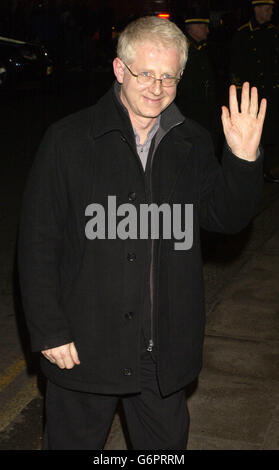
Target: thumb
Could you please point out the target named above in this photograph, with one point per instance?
(225, 114)
(226, 120)
(74, 353)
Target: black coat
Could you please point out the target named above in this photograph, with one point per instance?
(94, 292)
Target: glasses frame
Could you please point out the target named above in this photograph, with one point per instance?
(154, 78)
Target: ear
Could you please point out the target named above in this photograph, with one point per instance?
(118, 69)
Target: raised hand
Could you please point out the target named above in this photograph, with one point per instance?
(243, 129)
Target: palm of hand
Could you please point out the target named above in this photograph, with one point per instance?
(243, 128)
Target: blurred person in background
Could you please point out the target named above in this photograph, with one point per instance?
(255, 58)
(196, 94)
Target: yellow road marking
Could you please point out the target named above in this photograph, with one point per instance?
(18, 403)
(11, 372)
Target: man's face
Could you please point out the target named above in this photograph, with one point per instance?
(147, 100)
(199, 31)
(263, 13)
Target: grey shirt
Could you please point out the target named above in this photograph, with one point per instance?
(143, 149)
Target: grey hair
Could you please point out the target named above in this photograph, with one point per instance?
(154, 29)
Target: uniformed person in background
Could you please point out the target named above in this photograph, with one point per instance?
(196, 93)
(255, 58)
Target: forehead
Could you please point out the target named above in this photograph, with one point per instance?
(266, 7)
(156, 54)
(200, 25)
(198, 28)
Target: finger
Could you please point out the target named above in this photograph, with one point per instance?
(225, 117)
(63, 357)
(52, 356)
(225, 113)
(262, 111)
(233, 103)
(245, 98)
(254, 106)
(74, 353)
(48, 356)
(68, 361)
(60, 363)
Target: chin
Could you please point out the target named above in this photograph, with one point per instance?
(153, 113)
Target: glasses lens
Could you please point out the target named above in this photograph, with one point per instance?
(169, 81)
(149, 80)
(145, 79)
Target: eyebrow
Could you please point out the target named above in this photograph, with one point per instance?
(173, 74)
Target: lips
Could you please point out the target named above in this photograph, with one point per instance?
(152, 100)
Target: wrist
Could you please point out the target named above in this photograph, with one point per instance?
(244, 155)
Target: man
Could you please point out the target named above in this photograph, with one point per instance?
(123, 317)
(254, 58)
(196, 96)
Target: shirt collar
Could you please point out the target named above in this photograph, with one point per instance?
(150, 134)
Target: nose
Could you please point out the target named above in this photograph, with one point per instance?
(156, 86)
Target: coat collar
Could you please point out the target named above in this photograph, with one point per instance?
(196, 44)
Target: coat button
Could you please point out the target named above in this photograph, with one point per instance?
(132, 196)
(123, 138)
(131, 256)
(127, 372)
(129, 315)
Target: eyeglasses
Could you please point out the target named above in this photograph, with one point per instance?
(146, 78)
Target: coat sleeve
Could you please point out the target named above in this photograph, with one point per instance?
(40, 239)
(229, 194)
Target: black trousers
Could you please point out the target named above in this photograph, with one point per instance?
(78, 420)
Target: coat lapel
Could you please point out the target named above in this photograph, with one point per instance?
(172, 161)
